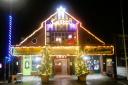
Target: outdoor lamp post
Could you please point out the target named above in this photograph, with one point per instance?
(124, 43)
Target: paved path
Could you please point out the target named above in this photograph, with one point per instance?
(98, 79)
(95, 79)
(66, 80)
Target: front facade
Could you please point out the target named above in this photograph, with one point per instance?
(61, 45)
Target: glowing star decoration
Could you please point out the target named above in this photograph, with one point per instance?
(61, 12)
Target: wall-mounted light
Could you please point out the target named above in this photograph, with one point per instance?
(37, 59)
(69, 36)
(0, 65)
(85, 57)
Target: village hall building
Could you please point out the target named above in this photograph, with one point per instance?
(59, 43)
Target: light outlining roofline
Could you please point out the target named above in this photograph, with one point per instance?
(50, 16)
(31, 34)
(36, 30)
(29, 55)
(62, 55)
(99, 54)
(45, 29)
(92, 34)
(86, 29)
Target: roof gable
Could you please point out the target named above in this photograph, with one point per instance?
(60, 17)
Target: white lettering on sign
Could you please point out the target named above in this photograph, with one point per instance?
(61, 21)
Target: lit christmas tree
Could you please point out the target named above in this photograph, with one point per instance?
(45, 71)
(81, 68)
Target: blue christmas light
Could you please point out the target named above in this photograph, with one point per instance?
(8, 58)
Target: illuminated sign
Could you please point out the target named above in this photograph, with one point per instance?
(61, 21)
(99, 50)
(68, 24)
(27, 51)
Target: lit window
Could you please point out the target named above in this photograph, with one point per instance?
(58, 39)
(69, 36)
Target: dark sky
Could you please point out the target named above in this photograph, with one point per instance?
(101, 16)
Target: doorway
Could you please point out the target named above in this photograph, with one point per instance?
(27, 65)
(61, 66)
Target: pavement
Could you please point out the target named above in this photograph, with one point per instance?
(123, 82)
(91, 79)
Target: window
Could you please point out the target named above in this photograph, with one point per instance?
(48, 40)
(48, 34)
(88, 40)
(36, 62)
(34, 41)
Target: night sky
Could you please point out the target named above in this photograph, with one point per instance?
(102, 17)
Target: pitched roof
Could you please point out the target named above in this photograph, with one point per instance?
(42, 26)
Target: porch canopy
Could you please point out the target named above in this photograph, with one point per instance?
(63, 50)
(20, 51)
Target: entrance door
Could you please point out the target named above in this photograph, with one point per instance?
(109, 67)
(26, 65)
(61, 66)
